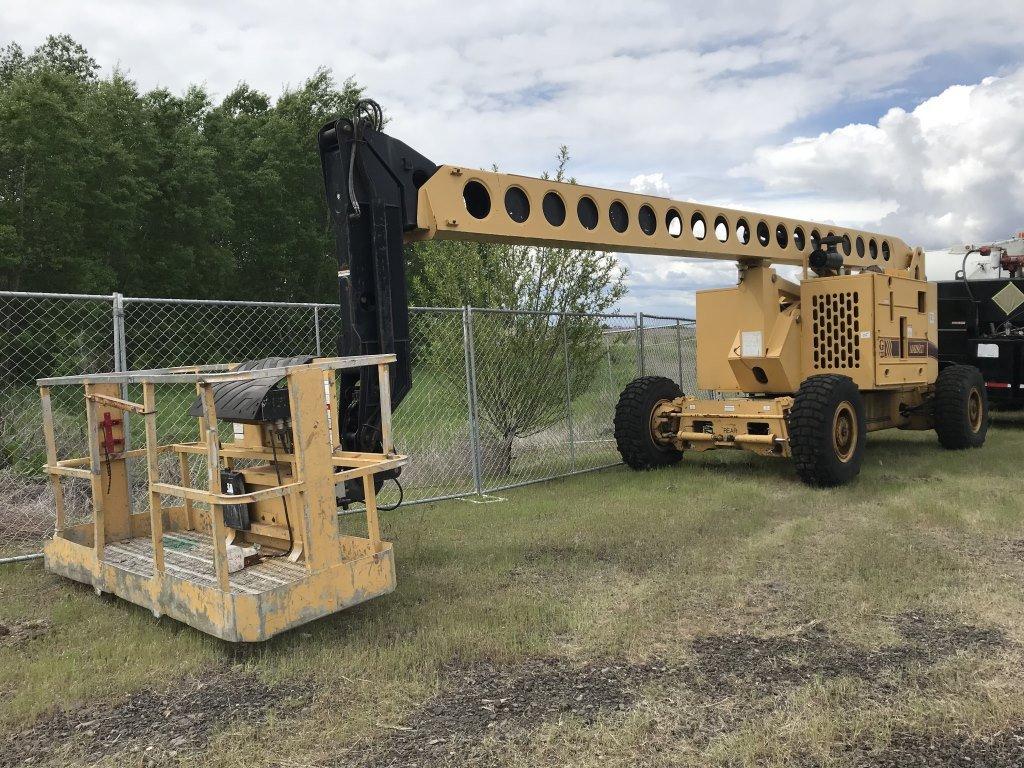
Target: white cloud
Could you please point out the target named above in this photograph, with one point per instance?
(627, 87)
(690, 89)
(650, 184)
(949, 171)
(667, 285)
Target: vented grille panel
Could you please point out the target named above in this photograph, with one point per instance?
(835, 319)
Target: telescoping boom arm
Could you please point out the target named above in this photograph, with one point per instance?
(382, 194)
(457, 203)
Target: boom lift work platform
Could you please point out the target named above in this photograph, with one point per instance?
(258, 549)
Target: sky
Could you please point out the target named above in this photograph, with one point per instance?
(901, 117)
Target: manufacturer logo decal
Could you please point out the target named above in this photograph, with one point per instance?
(888, 347)
(917, 348)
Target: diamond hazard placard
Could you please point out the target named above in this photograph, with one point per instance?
(1009, 298)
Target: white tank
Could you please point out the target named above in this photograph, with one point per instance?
(946, 265)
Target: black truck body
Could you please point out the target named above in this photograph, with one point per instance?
(975, 330)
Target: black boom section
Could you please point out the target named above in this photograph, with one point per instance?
(372, 181)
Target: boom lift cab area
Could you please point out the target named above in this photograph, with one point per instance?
(802, 370)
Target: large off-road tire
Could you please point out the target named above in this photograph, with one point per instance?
(634, 435)
(827, 430)
(961, 407)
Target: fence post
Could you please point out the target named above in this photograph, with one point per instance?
(118, 318)
(679, 348)
(316, 328)
(639, 343)
(568, 398)
(468, 350)
(120, 359)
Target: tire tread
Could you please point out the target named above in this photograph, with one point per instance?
(632, 416)
(952, 388)
(809, 426)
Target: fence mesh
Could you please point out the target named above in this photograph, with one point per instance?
(39, 334)
(670, 349)
(499, 398)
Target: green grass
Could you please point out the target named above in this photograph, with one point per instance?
(609, 565)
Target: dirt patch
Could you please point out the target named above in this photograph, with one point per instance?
(153, 728)
(942, 636)
(485, 709)
(1014, 549)
(507, 703)
(923, 750)
(17, 632)
(813, 651)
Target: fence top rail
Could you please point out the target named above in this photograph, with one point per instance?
(319, 305)
(669, 317)
(210, 374)
(37, 295)
(226, 302)
(547, 313)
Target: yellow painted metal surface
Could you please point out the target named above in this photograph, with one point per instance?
(173, 560)
(766, 334)
(465, 204)
(757, 425)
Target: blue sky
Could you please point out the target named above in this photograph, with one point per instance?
(837, 111)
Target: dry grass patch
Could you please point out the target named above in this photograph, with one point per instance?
(743, 619)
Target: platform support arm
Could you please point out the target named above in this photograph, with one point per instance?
(51, 459)
(217, 528)
(156, 516)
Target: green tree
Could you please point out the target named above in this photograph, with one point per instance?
(105, 188)
(267, 159)
(182, 247)
(46, 158)
(521, 356)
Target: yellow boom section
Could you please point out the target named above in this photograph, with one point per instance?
(464, 204)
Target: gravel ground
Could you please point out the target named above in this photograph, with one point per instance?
(484, 709)
(152, 727)
(17, 632)
(920, 750)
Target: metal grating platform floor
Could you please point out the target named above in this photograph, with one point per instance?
(188, 555)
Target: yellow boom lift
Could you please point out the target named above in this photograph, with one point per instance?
(802, 369)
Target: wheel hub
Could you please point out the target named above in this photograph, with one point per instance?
(844, 431)
(974, 410)
(659, 422)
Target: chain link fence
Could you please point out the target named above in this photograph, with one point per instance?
(500, 398)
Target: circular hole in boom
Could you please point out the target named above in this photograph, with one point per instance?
(698, 226)
(477, 199)
(781, 235)
(674, 222)
(554, 209)
(618, 216)
(586, 212)
(763, 236)
(721, 229)
(517, 204)
(647, 220)
(798, 238)
(743, 231)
